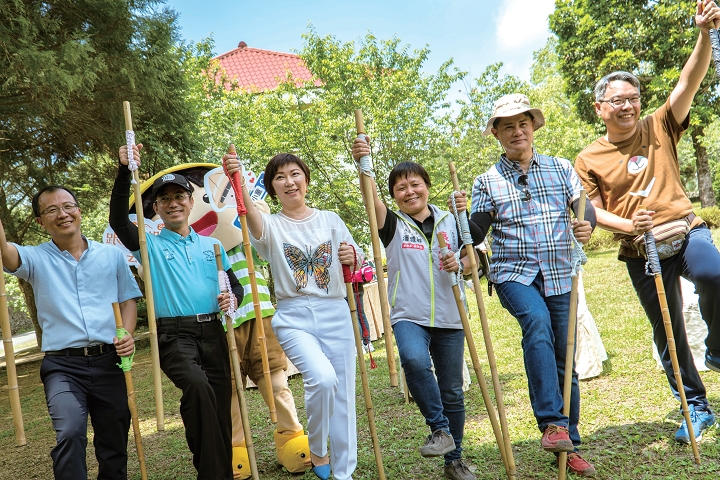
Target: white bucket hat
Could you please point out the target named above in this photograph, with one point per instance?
(514, 104)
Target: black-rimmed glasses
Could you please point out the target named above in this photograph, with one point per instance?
(523, 182)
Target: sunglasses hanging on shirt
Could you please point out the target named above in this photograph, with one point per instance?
(523, 182)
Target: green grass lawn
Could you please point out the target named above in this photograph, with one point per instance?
(628, 417)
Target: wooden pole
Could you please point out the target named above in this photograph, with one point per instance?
(247, 248)
(131, 402)
(499, 438)
(382, 286)
(504, 440)
(364, 375)
(13, 391)
(570, 350)
(235, 362)
(654, 260)
(147, 280)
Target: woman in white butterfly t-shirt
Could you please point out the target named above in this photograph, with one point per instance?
(306, 249)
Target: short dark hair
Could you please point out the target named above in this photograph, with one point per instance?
(602, 84)
(404, 170)
(278, 161)
(497, 120)
(49, 189)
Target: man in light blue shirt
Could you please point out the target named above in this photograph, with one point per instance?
(75, 282)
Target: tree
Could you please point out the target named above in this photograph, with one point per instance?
(476, 153)
(406, 113)
(651, 39)
(564, 134)
(65, 70)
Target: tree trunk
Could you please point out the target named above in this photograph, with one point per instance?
(704, 176)
(32, 309)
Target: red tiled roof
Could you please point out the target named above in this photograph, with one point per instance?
(261, 70)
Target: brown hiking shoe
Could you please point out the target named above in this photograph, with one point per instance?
(556, 439)
(579, 466)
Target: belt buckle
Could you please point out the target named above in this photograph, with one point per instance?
(85, 351)
(203, 317)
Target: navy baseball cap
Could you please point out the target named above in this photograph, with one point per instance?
(169, 178)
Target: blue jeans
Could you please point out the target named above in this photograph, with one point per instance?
(699, 262)
(441, 400)
(544, 324)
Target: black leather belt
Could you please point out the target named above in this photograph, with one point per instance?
(201, 317)
(90, 351)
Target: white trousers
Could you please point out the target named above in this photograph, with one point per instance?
(317, 336)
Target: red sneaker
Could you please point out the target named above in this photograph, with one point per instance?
(556, 439)
(579, 466)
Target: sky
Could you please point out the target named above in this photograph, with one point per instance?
(474, 33)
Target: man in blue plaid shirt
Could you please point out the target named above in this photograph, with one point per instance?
(525, 197)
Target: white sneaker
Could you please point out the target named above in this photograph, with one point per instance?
(367, 348)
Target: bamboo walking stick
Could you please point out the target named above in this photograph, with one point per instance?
(570, 350)
(504, 439)
(147, 277)
(237, 372)
(499, 438)
(235, 181)
(126, 364)
(363, 372)
(653, 269)
(382, 286)
(13, 390)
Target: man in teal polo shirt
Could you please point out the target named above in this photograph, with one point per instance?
(193, 349)
(76, 281)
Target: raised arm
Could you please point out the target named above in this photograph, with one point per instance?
(119, 221)
(361, 148)
(697, 65)
(254, 216)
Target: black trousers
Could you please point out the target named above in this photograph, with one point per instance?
(74, 388)
(699, 262)
(194, 355)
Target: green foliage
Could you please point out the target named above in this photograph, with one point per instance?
(564, 134)
(405, 111)
(653, 40)
(711, 215)
(601, 240)
(476, 152)
(14, 294)
(65, 71)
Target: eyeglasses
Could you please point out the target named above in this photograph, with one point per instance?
(523, 182)
(620, 102)
(53, 211)
(167, 199)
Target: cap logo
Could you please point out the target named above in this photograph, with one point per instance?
(168, 177)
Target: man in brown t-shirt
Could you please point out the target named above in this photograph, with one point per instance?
(636, 164)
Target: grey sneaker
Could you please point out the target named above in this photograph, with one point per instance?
(439, 443)
(458, 470)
